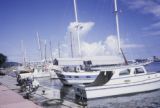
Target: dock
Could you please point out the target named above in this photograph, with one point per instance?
(11, 97)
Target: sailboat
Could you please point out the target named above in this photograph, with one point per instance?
(75, 70)
(119, 80)
(43, 70)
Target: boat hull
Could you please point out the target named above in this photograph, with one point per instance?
(71, 78)
(114, 90)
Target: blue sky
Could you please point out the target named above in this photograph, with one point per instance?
(21, 19)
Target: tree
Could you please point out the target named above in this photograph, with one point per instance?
(3, 59)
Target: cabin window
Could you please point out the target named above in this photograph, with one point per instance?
(88, 76)
(69, 77)
(57, 71)
(124, 72)
(61, 76)
(76, 77)
(138, 71)
(23, 72)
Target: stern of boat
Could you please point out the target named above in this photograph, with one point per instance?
(80, 93)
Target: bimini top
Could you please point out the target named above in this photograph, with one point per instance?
(98, 60)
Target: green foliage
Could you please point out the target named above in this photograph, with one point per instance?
(3, 59)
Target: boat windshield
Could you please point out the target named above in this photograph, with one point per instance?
(23, 72)
(102, 78)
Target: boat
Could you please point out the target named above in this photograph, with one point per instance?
(37, 72)
(156, 59)
(79, 75)
(80, 70)
(119, 81)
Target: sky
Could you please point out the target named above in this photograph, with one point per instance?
(54, 20)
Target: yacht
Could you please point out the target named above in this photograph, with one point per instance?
(81, 70)
(37, 72)
(119, 81)
(76, 76)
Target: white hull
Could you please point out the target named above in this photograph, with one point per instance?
(79, 81)
(124, 89)
(120, 84)
(71, 78)
(39, 74)
(53, 75)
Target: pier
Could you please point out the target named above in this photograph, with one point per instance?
(44, 97)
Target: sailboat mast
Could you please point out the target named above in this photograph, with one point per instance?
(39, 45)
(75, 11)
(23, 53)
(59, 52)
(50, 44)
(45, 50)
(117, 25)
(76, 18)
(71, 44)
(118, 34)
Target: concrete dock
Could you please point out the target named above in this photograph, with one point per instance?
(11, 97)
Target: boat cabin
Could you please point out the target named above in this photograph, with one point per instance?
(117, 74)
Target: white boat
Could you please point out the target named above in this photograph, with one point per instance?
(119, 81)
(78, 70)
(77, 77)
(38, 72)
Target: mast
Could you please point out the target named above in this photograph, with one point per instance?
(39, 45)
(45, 50)
(118, 34)
(59, 52)
(50, 44)
(71, 44)
(76, 18)
(117, 25)
(23, 53)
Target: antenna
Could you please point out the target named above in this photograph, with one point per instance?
(76, 18)
(39, 45)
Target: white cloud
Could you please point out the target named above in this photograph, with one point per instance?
(109, 46)
(152, 33)
(153, 26)
(93, 49)
(111, 43)
(145, 6)
(132, 46)
(101, 48)
(84, 27)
